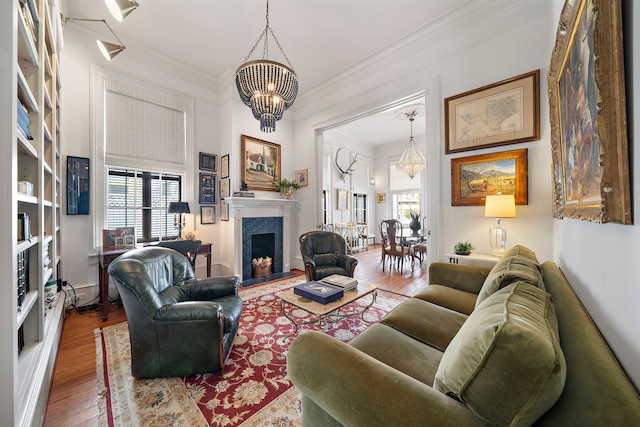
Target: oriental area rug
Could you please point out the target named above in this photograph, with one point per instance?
(253, 389)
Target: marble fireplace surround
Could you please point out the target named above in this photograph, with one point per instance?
(268, 212)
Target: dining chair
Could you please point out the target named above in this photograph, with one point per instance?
(188, 248)
(420, 248)
(393, 247)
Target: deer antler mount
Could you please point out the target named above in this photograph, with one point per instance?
(349, 169)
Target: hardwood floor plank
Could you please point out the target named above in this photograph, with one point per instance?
(73, 400)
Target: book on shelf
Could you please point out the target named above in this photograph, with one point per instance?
(344, 282)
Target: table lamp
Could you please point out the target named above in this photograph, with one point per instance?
(499, 206)
(177, 209)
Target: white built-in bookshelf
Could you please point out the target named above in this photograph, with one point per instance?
(31, 190)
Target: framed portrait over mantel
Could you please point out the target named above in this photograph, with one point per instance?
(475, 177)
(587, 110)
(260, 164)
(501, 113)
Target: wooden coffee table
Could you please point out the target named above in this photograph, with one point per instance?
(324, 313)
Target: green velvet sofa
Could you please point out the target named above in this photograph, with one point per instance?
(510, 346)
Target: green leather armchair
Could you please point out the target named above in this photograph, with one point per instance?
(178, 325)
(325, 253)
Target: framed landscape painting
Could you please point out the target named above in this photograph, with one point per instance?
(501, 113)
(474, 177)
(587, 111)
(260, 164)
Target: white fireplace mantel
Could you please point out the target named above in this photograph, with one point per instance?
(249, 207)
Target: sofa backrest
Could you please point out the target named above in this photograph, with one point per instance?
(597, 391)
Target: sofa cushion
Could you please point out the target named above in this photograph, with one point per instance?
(425, 322)
(506, 363)
(517, 264)
(451, 298)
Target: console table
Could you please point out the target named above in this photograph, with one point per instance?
(482, 260)
(108, 256)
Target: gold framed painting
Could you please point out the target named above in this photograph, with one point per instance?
(260, 164)
(381, 197)
(302, 177)
(475, 177)
(501, 113)
(587, 112)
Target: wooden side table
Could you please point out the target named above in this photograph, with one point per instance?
(481, 260)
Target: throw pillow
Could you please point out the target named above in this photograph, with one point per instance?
(517, 264)
(505, 363)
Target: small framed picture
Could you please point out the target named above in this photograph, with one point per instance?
(224, 166)
(119, 241)
(207, 214)
(224, 210)
(381, 198)
(208, 184)
(225, 188)
(342, 200)
(129, 240)
(302, 177)
(208, 162)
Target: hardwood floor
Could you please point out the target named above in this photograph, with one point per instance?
(73, 397)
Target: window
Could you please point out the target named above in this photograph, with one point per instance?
(359, 208)
(405, 194)
(140, 199)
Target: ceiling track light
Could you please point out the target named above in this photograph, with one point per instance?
(120, 9)
(267, 87)
(108, 50)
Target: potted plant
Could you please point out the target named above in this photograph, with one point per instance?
(463, 248)
(286, 187)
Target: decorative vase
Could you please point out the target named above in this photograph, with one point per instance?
(415, 226)
(288, 193)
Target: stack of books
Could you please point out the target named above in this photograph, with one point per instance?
(244, 194)
(343, 282)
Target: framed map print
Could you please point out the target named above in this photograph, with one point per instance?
(498, 114)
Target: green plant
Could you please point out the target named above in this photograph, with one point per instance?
(415, 215)
(463, 247)
(285, 184)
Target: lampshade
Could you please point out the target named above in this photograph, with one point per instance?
(500, 206)
(179, 207)
(412, 161)
(109, 50)
(120, 9)
(267, 87)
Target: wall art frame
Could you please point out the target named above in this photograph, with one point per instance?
(342, 199)
(474, 177)
(224, 166)
(224, 210)
(587, 111)
(207, 214)
(302, 177)
(207, 188)
(225, 187)
(208, 162)
(381, 198)
(506, 112)
(259, 164)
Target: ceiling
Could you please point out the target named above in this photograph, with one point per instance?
(321, 38)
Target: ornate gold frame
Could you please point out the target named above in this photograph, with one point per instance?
(589, 144)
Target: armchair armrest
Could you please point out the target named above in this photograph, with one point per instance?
(347, 384)
(213, 287)
(462, 277)
(189, 310)
(347, 262)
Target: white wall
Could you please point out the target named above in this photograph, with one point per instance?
(79, 260)
(600, 260)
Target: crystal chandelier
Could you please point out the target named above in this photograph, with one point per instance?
(412, 160)
(267, 87)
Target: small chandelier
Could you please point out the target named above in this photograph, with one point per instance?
(267, 87)
(412, 160)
